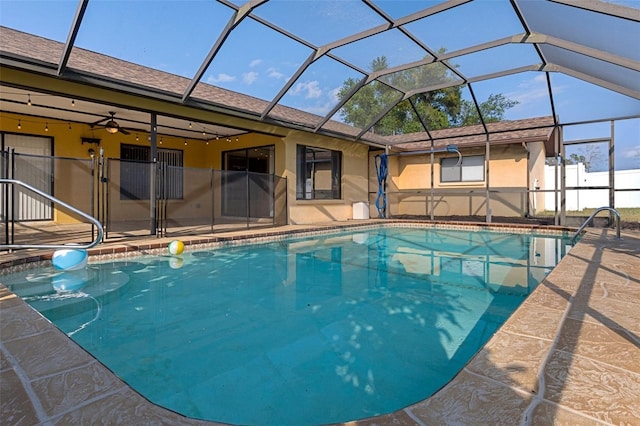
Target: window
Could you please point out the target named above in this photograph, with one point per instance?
(257, 160)
(319, 174)
(471, 169)
(136, 166)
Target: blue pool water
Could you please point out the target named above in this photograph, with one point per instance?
(297, 332)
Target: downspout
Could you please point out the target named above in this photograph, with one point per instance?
(432, 203)
(386, 202)
(531, 196)
(563, 180)
(487, 153)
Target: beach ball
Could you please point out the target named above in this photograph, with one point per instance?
(176, 247)
(69, 259)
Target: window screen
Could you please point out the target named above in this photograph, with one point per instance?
(319, 174)
(471, 169)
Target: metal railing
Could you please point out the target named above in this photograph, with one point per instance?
(63, 204)
(590, 218)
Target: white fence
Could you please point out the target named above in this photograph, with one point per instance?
(577, 176)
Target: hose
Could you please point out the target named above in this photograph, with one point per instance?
(381, 171)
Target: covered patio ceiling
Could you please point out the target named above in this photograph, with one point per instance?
(306, 64)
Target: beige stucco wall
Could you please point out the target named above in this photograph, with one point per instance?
(410, 181)
(199, 156)
(73, 172)
(408, 185)
(536, 171)
(354, 179)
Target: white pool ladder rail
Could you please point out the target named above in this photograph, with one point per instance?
(88, 217)
(590, 218)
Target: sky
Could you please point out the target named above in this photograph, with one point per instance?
(175, 36)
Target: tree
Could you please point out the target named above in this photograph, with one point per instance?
(438, 109)
(590, 155)
(492, 109)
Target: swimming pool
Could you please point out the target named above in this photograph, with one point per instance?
(300, 331)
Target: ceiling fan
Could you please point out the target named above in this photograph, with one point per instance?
(111, 126)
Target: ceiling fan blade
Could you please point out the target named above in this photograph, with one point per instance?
(123, 131)
(100, 121)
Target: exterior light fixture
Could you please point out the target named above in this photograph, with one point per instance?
(46, 127)
(19, 125)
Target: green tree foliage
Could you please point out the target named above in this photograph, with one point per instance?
(437, 109)
(493, 110)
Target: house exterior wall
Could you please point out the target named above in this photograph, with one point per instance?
(409, 183)
(73, 184)
(508, 171)
(354, 179)
(72, 172)
(537, 179)
(512, 169)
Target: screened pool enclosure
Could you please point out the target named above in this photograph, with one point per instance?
(542, 98)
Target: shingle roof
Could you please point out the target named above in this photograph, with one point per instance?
(516, 131)
(32, 47)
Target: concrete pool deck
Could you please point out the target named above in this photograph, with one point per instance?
(569, 355)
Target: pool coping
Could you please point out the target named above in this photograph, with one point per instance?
(513, 379)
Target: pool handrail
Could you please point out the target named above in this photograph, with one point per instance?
(590, 218)
(90, 218)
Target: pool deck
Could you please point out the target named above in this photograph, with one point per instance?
(569, 355)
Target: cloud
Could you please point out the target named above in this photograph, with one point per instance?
(274, 73)
(249, 77)
(529, 91)
(255, 63)
(311, 89)
(633, 152)
(320, 110)
(333, 95)
(541, 78)
(220, 78)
